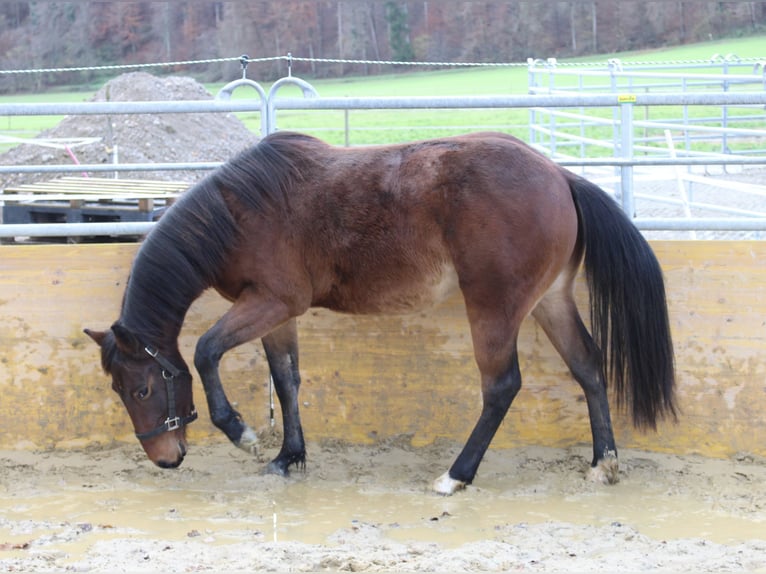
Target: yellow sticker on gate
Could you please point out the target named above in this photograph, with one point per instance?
(626, 98)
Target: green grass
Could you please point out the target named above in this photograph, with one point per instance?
(384, 126)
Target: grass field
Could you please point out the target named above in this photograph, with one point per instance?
(383, 126)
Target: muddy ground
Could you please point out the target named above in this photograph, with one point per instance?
(368, 508)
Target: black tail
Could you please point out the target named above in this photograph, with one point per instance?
(629, 314)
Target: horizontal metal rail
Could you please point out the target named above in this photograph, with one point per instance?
(108, 229)
(719, 159)
(370, 103)
(699, 224)
(115, 229)
(102, 167)
(527, 101)
(118, 108)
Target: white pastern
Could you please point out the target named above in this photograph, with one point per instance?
(446, 485)
(249, 441)
(607, 471)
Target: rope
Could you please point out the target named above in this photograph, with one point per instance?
(244, 60)
(399, 63)
(134, 66)
(513, 64)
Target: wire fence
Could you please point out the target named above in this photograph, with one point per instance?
(244, 60)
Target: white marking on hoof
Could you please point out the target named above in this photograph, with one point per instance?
(607, 471)
(249, 441)
(446, 485)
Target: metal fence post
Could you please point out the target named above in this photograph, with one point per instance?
(307, 90)
(626, 153)
(224, 94)
(532, 85)
(614, 66)
(551, 66)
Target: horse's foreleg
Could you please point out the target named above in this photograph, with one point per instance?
(222, 414)
(249, 318)
(206, 359)
(281, 346)
(498, 392)
(558, 316)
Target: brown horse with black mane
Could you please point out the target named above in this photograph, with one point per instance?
(294, 223)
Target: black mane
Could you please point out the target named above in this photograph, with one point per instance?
(184, 253)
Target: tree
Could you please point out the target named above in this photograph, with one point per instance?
(134, 29)
(69, 34)
(398, 31)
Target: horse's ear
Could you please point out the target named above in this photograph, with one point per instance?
(97, 336)
(126, 340)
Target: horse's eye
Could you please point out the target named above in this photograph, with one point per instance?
(141, 393)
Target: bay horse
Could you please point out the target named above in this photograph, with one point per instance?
(294, 223)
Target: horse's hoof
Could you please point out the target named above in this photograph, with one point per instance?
(248, 441)
(446, 485)
(606, 471)
(275, 468)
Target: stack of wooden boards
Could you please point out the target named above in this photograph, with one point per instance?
(89, 199)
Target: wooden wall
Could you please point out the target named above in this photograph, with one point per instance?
(372, 378)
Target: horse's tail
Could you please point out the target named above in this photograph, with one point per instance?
(629, 315)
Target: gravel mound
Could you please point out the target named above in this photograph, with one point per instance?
(138, 138)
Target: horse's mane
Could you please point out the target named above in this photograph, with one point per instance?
(185, 252)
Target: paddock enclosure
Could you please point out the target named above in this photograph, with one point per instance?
(367, 379)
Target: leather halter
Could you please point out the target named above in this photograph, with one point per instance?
(172, 422)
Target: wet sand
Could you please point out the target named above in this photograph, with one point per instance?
(369, 508)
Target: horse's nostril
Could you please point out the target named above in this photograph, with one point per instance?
(181, 451)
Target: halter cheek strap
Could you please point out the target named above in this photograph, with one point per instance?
(172, 422)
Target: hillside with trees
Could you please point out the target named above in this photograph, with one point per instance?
(36, 35)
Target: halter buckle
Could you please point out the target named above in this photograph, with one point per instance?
(172, 424)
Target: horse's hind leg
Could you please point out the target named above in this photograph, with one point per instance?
(558, 316)
(494, 342)
(497, 394)
(281, 346)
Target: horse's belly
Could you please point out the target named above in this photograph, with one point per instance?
(397, 294)
(435, 288)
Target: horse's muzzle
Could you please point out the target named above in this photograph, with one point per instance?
(166, 464)
(173, 460)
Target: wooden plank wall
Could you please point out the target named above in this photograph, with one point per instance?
(372, 378)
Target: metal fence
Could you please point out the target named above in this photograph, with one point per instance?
(727, 129)
(624, 159)
(720, 135)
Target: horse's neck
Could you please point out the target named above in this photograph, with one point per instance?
(155, 329)
(177, 261)
(154, 311)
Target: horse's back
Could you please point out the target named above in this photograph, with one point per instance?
(396, 228)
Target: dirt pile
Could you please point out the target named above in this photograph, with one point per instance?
(139, 138)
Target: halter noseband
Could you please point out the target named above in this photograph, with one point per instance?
(173, 422)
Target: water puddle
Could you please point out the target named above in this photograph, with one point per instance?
(311, 512)
(66, 508)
